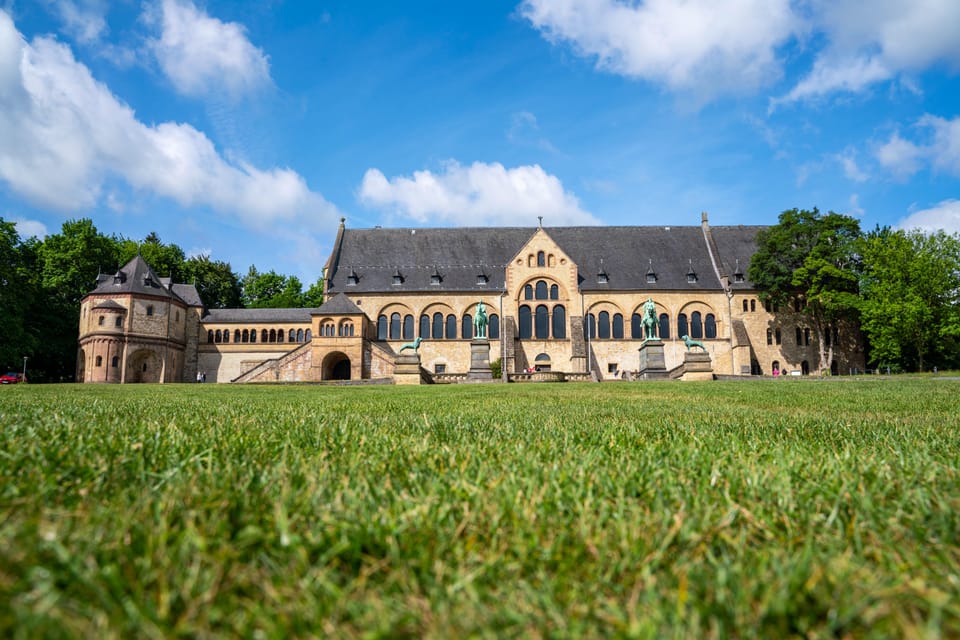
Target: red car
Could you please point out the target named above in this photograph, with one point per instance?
(12, 377)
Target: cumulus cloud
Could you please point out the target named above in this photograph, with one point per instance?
(30, 228)
(868, 42)
(481, 194)
(701, 46)
(851, 169)
(938, 146)
(202, 55)
(944, 215)
(85, 20)
(63, 134)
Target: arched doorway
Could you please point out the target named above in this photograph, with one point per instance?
(336, 366)
(143, 365)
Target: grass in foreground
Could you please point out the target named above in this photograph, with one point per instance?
(773, 508)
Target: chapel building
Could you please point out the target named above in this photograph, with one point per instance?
(563, 300)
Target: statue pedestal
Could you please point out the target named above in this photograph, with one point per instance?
(653, 364)
(479, 361)
(407, 369)
(697, 365)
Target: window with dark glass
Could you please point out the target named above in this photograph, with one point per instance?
(226, 336)
(554, 292)
(636, 326)
(769, 336)
(493, 327)
(559, 322)
(466, 326)
(118, 321)
(776, 336)
(292, 337)
(424, 326)
(696, 325)
(210, 335)
(542, 323)
(806, 337)
(246, 336)
(437, 326)
(451, 327)
(407, 327)
(617, 326)
(682, 325)
(745, 305)
(541, 259)
(525, 320)
(100, 322)
(382, 327)
(753, 305)
(528, 292)
(710, 327)
(264, 336)
(149, 309)
(394, 326)
(591, 327)
(99, 362)
(799, 337)
(664, 329)
(603, 325)
(253, 335)
(541, 291)
(115, 361)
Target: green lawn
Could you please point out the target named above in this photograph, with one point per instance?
(823, 508)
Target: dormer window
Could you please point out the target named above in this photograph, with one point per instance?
(118, 278)
(738, 273)
(691, 274)
(482, 279)
(435, 277)
(147, 280)
(352, 278)
(651, 274)
(397, 277)
(602, 277)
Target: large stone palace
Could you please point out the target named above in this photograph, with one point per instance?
(564, 300)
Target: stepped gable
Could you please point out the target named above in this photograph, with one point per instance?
(339, 305)
(458, 255)
(237, 316)
(736, 243)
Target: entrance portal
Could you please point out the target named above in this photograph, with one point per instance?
(336, 366)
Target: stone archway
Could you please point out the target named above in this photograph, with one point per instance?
(143, 365)
(336, 366)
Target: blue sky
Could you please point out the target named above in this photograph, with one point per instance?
(246, 130)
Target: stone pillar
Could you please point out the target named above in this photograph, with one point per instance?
(697, 366)
(407, 369)
(479, 361)
(653, 364)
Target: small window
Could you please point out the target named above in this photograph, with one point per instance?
(397, 277)
(768, 306)
(797, 305)
(541, 259)
(482, 279)
(777, 336)
(352, 278)
(744, 305)
(115, 361)
(210, 335)
(436, 278)
(528, 292)
(149, 309)
(554, 292)
(612, 367)
(118, 321)
(738, 277)
(99, 361)
(439, 368)
(603, 278)
(253, 335)
(769, 336)
(100, 321)
(799, 333)
(753, 305)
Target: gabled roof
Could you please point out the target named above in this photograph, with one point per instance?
(339, 305)
(137, 277)
(459, 255)
(110, 304)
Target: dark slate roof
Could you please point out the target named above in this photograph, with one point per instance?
(110, 304)
(339, 305)
(733, 244)
(138, 277)
(458, 255)
(237, 316)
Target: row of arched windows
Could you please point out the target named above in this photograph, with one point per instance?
(435, 327)
(604, 326)
(542, 323)
(250, 335)
(344, 330)
(541, 291)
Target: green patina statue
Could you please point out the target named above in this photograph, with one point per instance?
(691, 343)
(411, 345)
(480, 321)
(650, 323)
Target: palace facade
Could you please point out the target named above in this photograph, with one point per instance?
(564, 300)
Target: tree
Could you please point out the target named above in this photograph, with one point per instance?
(18, 295)
(314, 295)
(911, 297)
(217, 284)
(271, 290)
(167, 260)
(810, 257)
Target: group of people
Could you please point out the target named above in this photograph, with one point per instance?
(201, 376)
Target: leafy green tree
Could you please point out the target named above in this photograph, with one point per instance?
(167, 260)
(314, 295)
(911, 297)
(271, 290)
(19, 291)
(811, 257)
(216, 282)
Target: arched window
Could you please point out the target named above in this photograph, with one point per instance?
(493, 327)
(526, 322)
(636, 326)
(118, 321)
(437, 326)
(346, 329)
(617, 326)
(327, 329)
(603, 325)
(246, 336)
(541, 259)
(710, 327)
(769, 336)
(753, 305)
(273, 335)
(264, 336)
(149, 309)
(744, 305)
(210, 335)
(407, 327)
(664, 331)
(236, 335)
(542, 323)
(100, 321)
(591, 327)
(253, 335)
(777, 337)
(799, 336)
(805, 368)
(806, 336)
(466, 327)
(381, 327)
(308, 335)
(292, 337)
(424, 326)
(394, 326)
(696, 326)
(554, 292)
(541, 291)
(99, 361)
(527, 292)
(451, 332)
(226, 335)
(299, 335)
(115, 361)
(682, 325)
(559, 324)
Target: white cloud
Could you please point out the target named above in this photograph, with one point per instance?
(481, 194)
(701, 46)
(868, 42)
(939, 148)
(30, 228)
(202, 55)
(944, 215)
(848, 160)
(85, 20)
(63, 134)
(855, 208)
